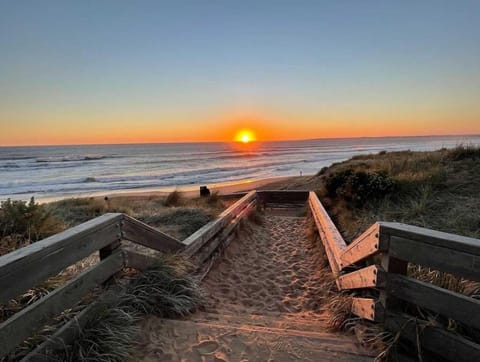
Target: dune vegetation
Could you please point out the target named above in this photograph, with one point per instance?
(437, 190)
(167, 289)
(23, 223)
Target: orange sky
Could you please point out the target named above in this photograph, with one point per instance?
(224, 128)
(117, 72)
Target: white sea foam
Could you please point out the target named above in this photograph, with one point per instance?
(78, 170)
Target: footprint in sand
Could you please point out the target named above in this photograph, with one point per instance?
(206, 347)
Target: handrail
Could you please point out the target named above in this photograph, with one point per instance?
(141, 233)
(377, 259)
(391, 246)
(198, 239)
(334, 243)
(26, 267)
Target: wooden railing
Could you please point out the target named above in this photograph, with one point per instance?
(378, 260)
(28, 267)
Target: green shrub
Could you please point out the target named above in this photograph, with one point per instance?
(27, 221)
(359, 186)
(322, 171)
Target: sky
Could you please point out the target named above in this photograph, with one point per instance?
(100, 71)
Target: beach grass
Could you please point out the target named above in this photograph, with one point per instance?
(437, 190)
(23, 223)
(166, 289)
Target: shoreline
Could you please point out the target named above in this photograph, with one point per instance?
(190, 191)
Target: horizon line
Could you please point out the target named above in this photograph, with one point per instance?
(256, 141)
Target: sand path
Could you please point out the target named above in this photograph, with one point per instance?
(264, 303)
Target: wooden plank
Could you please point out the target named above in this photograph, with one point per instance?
(367, 308)
(26, 267)
(283, 196)
(445, 302)
(448, 345)
(24, 323)
(247, 210)
(195, 241)
(433, 237)
(392, 265)
(332, 261)
(365, 245)
(138, 261)
(369, 277)
(206, 251)
(234, 195)
(141, 233)
(234, 209)
(330, 234)
(437, 257)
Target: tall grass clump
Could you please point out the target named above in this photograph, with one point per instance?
(108, 335)
(166, 289)
(174, 198)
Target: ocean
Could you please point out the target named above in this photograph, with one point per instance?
(52, 172)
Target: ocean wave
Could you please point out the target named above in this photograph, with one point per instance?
(71, 158)
(40, 171)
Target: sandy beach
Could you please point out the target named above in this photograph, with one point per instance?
(264, 302)
(222, 188)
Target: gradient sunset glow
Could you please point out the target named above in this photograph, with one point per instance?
(195, 71)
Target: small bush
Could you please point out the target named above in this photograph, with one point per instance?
(322, 171)
(29, 222)
(174, 198)
(359, 186)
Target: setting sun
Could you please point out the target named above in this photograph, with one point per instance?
(245, 136)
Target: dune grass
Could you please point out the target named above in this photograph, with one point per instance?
(166, 289)
(23, 223)
(438, 190)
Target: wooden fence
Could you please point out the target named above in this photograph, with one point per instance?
(28, 267)
(377, 262)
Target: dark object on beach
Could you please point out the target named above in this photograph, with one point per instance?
(204, 191)
(106, 198)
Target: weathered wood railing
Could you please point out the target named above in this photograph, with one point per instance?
(28, 267)
(378, 260)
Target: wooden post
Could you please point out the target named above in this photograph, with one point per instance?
(390, 265)
(110, 248)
